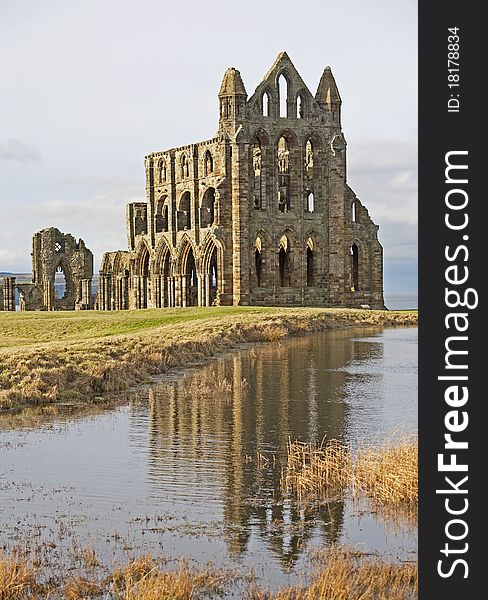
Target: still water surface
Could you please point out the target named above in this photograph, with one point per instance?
(177, 470)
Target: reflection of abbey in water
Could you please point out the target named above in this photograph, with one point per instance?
(259, 214)
(203, 442)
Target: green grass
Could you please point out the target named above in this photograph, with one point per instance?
(52, 356)
(33, 328)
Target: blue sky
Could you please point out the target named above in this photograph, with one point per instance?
(89, 88)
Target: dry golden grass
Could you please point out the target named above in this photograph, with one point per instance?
(386, 474)
(48, 357)
(17, 578)
(80, 588)
(338, 574)
(144, 580)
(348, 575)
(317, 471)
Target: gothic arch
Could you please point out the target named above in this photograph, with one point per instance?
(183, 213)
(286, 152)
(162, 171)
(107, 262)
(212, 270)
(261, 257)
(161, 216)
(184, 247)
(62, 266)
(301, 105)
(284, 82)
(161, 256)
(208, 208)
(267, 94)
(161, 272)
(187, 269)
(358, 264)
(284, 262)
(120, 285)
(208, 163)
(143, 253)
(260, 158)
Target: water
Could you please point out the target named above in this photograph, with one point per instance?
(177, 471)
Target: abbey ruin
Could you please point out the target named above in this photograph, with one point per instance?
(261, 214)
(53, 254)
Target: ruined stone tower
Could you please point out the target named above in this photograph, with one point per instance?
(260, 214)
(54, 254)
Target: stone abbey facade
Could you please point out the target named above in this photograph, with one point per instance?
(261, 214)
(54, 254)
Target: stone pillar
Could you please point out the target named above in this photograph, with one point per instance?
(200, 280)
(184, 286)
(158, 291)
(9, 293)
(178, 290)
(86, 294)
(48, 294)
(207, 290)
(106, 289)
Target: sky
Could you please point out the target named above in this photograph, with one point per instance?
(88, 88)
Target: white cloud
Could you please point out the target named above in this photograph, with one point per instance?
(19, 152)
(383, 173)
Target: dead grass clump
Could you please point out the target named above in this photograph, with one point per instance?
(79, 588)
(143, 579)
(17, 578)
(317, 470)
(388, 474)
(348, 575)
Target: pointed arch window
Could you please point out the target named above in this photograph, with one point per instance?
(184, 215)
(185, 169)
(309, 158)
(209, 164)
(161, 218)
(283, 95)
(258, 261)
(310, 263)
(266, 104)
(300, 107)
(257, 166)
(207, 212)
(283, 155)
(354, 268)
(310, 202)
(162, 172)
(284, 262)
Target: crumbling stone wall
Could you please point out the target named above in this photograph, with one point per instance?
(54, 252)
(259, 214)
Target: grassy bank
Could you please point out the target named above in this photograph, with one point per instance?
(60, 356)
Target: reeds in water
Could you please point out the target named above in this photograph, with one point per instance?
(317, 470)
(386, 474)
(17, 578)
